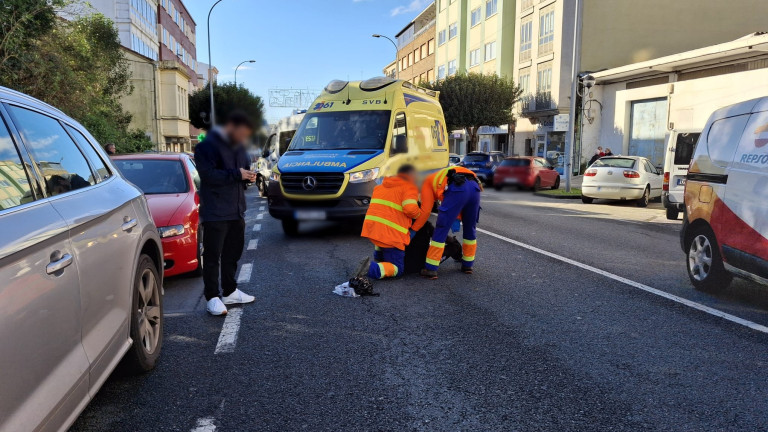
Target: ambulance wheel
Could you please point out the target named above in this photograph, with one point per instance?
(290, 227)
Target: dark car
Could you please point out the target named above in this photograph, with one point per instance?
(483, 164)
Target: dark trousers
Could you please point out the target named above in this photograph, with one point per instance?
(223, 243)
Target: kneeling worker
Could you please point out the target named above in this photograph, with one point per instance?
(458, 190)
(394, 206)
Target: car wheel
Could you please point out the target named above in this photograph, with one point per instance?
(557, 183)
(146, 329)
(587, 200)
(672, 214)
(290, 226)
(643, 202)
(497, 187)
(199, 270)
(537, 184)
(705, 265)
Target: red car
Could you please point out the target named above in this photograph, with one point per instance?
(526, 172)
(170, 183)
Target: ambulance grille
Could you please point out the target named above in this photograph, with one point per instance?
(324, 183)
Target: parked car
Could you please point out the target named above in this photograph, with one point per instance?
(454, 159)
(170, 182)
(279, 137)
(679, 154)
(483, 164)
(526, 172)
(621, 178)
(79, 260)
(725, 228)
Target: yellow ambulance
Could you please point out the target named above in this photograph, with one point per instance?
(352, 136)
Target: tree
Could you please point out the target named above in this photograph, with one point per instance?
(473, 100)
(228, 97)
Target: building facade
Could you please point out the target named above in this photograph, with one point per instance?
(416, 48)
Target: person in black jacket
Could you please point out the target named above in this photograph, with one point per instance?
(223, 165)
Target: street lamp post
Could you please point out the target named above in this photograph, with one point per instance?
(397, 70)
(238, 67)
(210, 66)
(575, 65)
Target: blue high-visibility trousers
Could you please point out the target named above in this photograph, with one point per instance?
(388, 262)
(461, 200)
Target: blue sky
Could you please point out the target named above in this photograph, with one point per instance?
(299, 43)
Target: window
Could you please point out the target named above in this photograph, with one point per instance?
(14, 183)
(155, 177)
(546, 30)
(451, 67)
(526, 38)
(417, 55)
(441, 72)
(441, 37)
(403, 63)
(285, 140)
(453, 31)
(648, 167)
(684, 146)
(476, 16)
(723, 139)
(87, 148)
(544, 86)
(474, 57)
(193, 172)
(56, 155)
(524, 81)
(399, 128)
(431, 47)
(424, 51)
(443, 4)
(430, 75)
(526, 4)
(491, 7)
(490, 51)
(410, 59)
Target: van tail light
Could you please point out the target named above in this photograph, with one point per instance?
(590, 172)
(631, 174)
(665, 186)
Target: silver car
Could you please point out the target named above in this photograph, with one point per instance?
(79, 257)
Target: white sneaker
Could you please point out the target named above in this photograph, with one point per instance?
(216, 307)
(238, 297)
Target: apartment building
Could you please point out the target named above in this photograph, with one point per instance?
(416, 48)
(615, 33)
(178, 75)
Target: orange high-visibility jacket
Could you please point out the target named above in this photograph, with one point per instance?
(394, 205)
(432, 190)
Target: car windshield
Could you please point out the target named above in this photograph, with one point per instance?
(342, 131)
(154, 176)
(476, 158)
(615, 163)
(686, 143)
(516, 162)
(454, 158)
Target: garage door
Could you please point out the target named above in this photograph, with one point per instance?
(648, 130)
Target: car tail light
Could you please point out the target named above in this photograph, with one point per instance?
(666, 182)
(631, 174)
(590, 173)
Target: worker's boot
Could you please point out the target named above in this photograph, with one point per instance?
(466, 270)
(429, 274)
(362, 269)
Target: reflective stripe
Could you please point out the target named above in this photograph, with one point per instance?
(410, 201)
(376, 248)
(433, 262)
(439, 177)
(386, 203)
(436, 244)
(387, 223)
(469, 242)
(468, 258)
(382, 271)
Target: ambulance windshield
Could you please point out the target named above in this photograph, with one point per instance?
(350, 130)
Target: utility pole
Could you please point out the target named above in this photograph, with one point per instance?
(210, 67)
(576, 64)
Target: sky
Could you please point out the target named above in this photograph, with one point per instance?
(301, 44)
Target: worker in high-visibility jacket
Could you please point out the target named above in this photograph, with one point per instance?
(394, 206)
(458, 190)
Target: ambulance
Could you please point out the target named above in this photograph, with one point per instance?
(725, 229)
(355, 134)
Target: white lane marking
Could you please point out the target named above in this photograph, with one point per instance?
(229, 331)
(204, 425)
(261, 208)
(245, 273)
(666, 295)
(260, 216)
(257, 227)
(253, 244)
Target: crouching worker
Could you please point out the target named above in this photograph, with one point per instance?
(394, 205)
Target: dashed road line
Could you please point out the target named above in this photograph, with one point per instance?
(204, 425)
(261, 208)
(257, 227)
(245, 273)
(646, 288)
(253, 244)
(230, 329)
(260, 216)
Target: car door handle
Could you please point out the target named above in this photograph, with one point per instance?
(129, 224)
(58, 265)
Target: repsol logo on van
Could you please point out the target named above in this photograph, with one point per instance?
(315, 164)
(754, 158)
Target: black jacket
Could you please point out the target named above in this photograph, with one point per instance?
(222, 189)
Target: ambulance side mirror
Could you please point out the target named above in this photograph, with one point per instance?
(399, 144)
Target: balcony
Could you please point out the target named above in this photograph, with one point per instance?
(537, 105)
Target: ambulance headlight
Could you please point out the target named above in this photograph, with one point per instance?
(364, 176)
(275, 176)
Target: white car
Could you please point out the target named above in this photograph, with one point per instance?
(622, 178)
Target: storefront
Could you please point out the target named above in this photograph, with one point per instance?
(457, 142)
(493, 138)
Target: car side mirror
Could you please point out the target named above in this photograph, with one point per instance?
(399, 144)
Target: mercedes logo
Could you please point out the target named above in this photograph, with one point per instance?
(309, 183)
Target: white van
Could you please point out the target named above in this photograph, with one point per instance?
(725, 229)
(279, 137)
(680, 148)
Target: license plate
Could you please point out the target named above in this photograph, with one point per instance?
(474, 168)
(681, 182)
(510, 180)
(607, 189)
(310, 215)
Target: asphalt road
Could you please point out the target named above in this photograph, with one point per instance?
(530, 342)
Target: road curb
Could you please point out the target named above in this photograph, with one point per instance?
(562, 197)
